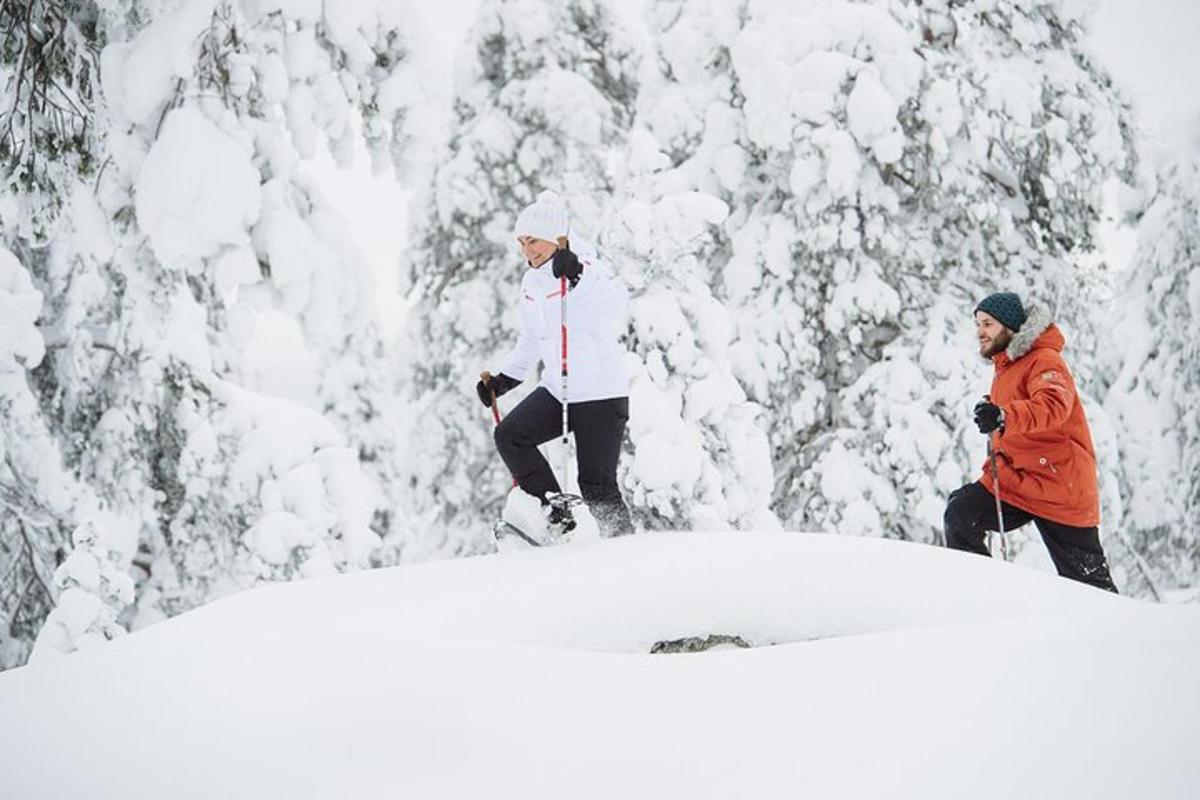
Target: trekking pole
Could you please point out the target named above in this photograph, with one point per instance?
(565, 439)
(486, 377)
(996, 491)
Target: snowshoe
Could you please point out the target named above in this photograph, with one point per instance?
(503, 531)
(534, 522)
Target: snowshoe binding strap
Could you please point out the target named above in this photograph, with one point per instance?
(559, 519)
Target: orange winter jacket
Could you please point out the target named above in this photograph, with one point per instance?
(1046, 460)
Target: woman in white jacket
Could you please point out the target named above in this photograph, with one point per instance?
(598, 402)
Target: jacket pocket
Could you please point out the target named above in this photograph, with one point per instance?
(1045, 471)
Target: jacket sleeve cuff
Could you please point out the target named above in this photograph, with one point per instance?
(505, 382)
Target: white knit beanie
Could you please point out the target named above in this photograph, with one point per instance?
(546, 218)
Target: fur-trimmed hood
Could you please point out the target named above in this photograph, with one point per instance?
(1037, 322)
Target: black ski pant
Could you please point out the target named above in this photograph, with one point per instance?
(1076, 552)
(599, 428)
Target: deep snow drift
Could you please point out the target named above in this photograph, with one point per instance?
(896, 670)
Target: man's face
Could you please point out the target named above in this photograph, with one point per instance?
(993, 337)
(536, 251)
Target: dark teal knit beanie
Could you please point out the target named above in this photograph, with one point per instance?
(1005, 308)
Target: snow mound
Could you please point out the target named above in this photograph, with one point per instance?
(529, 674)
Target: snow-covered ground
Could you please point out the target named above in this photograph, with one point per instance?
(893, 669)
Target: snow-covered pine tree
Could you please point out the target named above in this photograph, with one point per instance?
(700, 455)
(543, 100)
(35, 492)
(79, 595)
(1153, 346)
(93, 590)
(277, 409)
(52, 147)
(213, 364)
(885, 166)
(49, 77)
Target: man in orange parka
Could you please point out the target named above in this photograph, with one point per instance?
(1044, 453)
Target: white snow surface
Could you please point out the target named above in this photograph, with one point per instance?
(895, 670)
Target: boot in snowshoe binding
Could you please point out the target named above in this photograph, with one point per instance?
(559, 519)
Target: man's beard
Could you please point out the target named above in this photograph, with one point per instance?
(997, 346)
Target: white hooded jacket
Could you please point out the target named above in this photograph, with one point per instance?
(595, 309)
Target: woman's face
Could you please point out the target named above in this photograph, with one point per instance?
(536, 251)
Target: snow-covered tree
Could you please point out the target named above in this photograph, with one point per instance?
(1153, 344)
(93, 590)
(885, 165)
(699, 450)
(42, 502)
(214, 370)
(29, 531)
(544, 99)
(271, 342)
(700, 456)
(49, 59)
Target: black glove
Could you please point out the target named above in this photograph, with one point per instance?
(566, 264)
(989, 416)
(496, 383)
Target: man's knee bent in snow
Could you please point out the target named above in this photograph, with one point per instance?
(962, 521)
